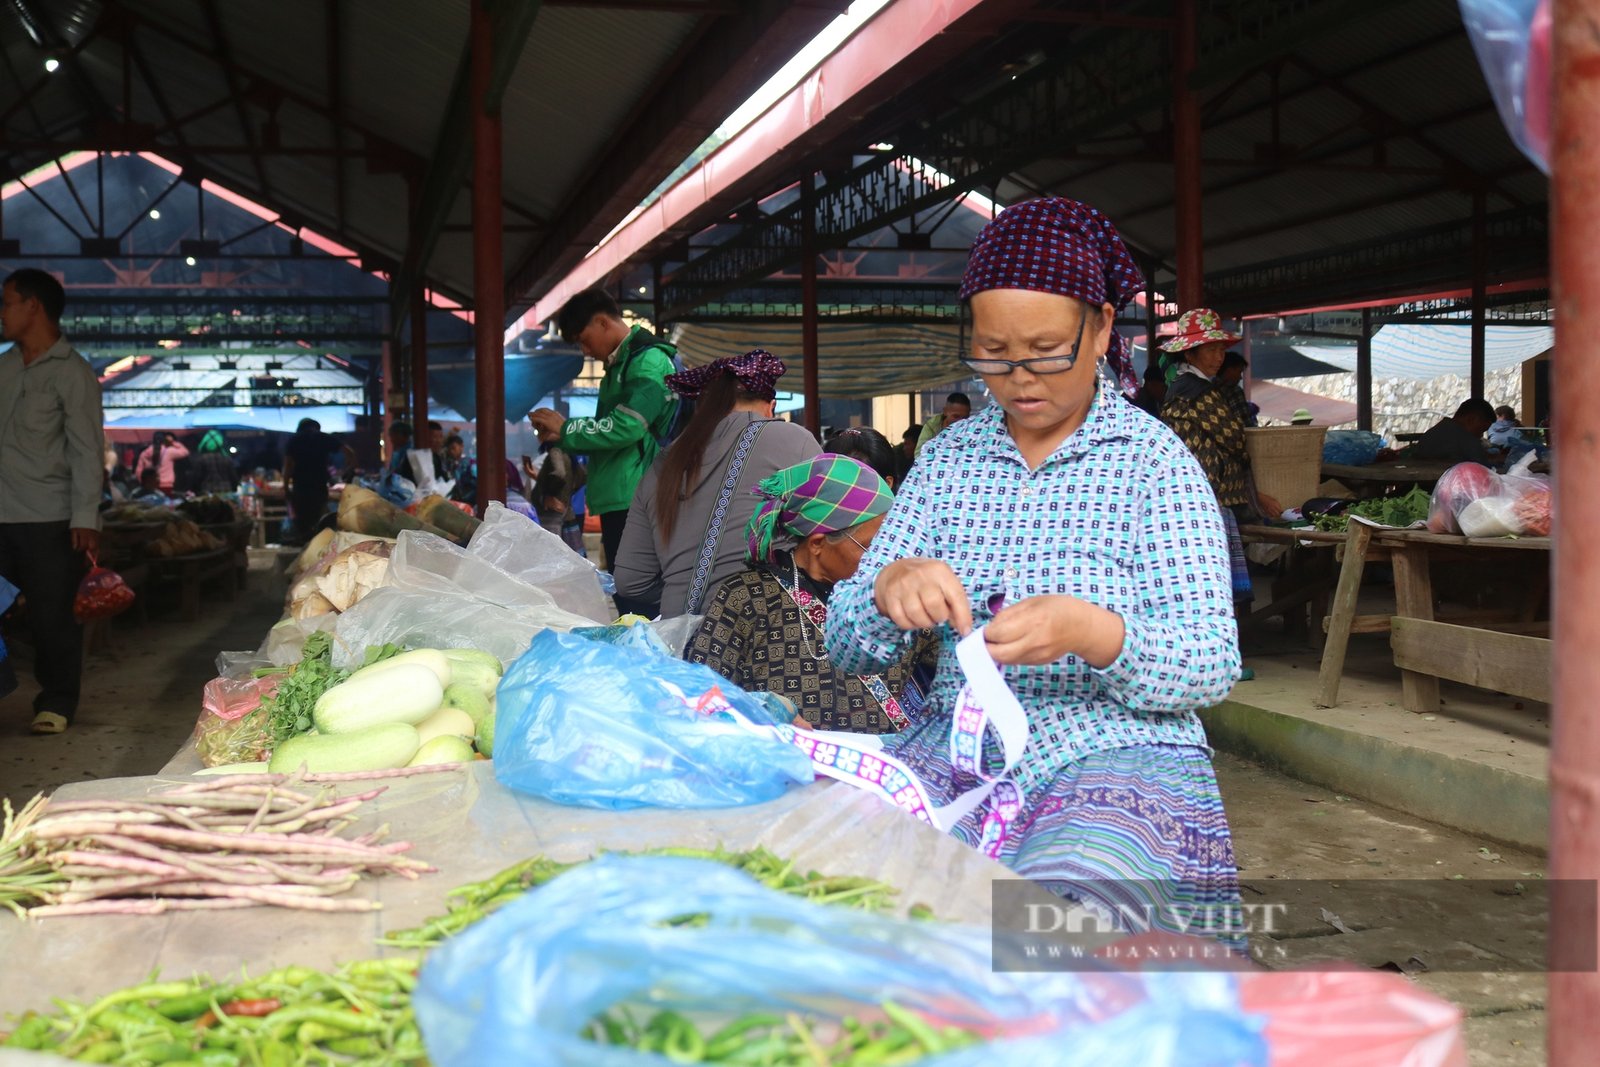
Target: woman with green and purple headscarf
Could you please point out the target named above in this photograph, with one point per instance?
(814, 522)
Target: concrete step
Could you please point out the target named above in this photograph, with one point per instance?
(1477, 765)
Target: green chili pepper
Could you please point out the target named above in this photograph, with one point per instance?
(31, 1033)
(924, 1034)
(101, 1052)
(168, 1052)
(191, 1005)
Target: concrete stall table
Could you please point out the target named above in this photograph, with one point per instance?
(469, 826)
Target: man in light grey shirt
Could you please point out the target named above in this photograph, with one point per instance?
(51, 480)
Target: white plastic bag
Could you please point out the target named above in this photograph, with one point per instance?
(428, 620)
(520, 547)
(439, 595)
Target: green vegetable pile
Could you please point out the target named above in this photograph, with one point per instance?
(470, 903)
(1399, 511)
(288, 711)
(900, 1037)
(291, 1017)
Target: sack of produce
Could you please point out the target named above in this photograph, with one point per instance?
(232, 728)
(1473, 500)
(604, 725)
(628, 959)
(102, 594)
(1352, 448)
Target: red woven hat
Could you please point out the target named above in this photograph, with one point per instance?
(1199, 326)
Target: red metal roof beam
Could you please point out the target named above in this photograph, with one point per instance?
(900, 46)
(710, 76)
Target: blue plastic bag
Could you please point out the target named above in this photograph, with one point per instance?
(1352, 448)
(618, 724)
(1512, 41)
(520, 986)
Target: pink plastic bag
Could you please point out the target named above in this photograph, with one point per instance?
(1353, 1018)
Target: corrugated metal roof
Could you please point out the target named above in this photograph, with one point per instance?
(584, 74)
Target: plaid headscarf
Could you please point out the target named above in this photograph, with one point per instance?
(1056, 245)
(826, 495)
(758, 372)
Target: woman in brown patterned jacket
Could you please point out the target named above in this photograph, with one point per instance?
(764, 627)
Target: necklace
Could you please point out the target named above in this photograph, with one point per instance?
(813, 613)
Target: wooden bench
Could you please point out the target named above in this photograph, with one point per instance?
(1500, 650)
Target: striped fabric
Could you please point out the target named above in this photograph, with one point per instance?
(1238, 562)
(1128, 832)
(853, 360)
(1428, 350)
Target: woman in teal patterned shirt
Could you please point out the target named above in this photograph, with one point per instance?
(1085, 539)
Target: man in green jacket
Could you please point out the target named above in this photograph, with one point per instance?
(635, 409)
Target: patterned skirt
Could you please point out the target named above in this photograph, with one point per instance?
(1238, 562)
(1127, 833)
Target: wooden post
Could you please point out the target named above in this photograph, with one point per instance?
(1343, 615)
(1413, 595)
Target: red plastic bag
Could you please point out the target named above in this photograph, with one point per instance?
(102, 594)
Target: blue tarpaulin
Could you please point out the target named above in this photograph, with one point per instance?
(528, 379)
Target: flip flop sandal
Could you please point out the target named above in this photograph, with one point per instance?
(48, 722)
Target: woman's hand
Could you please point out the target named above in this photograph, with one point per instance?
(1045, 629)
(918, 594)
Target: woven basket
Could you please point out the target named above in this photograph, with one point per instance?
(1287, 461)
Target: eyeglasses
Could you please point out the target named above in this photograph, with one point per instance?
(851, 538)
(1047, 365)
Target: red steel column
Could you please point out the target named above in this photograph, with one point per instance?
(1574, 998)
(419, 361)
(1480, 285)
(808, 303)
(1186, 163)
(488, 268)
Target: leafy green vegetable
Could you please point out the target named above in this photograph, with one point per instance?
(289, 710)
(379, 653)
(1401, 511)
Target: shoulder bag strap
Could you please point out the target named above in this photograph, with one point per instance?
(719, 514)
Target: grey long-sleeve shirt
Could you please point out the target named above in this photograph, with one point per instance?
(52, 435)
(647, 566)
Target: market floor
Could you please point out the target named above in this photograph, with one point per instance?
(140, 707)
(140, 702)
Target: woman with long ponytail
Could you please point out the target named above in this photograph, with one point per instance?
(674, 550)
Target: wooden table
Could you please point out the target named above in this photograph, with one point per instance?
(1504, 651)
(192, 570)
(1378, 479)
